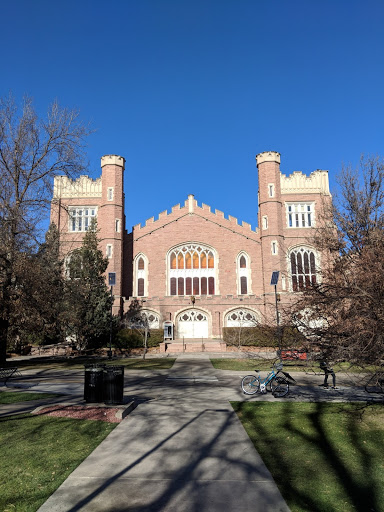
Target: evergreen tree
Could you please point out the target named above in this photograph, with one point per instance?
(50, 297)
(35, 304)
(88, 301)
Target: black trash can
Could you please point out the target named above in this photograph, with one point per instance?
(113, 385)
(93, 383)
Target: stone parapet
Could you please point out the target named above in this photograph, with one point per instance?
(84, 186)
(298, 183)
(113, 160)
(268, 156)
(191, 207)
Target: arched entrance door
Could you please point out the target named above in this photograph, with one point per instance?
(192, 324)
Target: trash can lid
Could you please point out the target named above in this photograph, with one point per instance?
(113, 368)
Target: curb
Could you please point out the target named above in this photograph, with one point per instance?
(121, 413)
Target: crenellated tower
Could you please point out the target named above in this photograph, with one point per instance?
(270, 215)
(111, 218)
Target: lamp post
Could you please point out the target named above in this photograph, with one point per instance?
(111, 282)
(274, 281)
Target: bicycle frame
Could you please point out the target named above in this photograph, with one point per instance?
(276, 382)
(264, 382)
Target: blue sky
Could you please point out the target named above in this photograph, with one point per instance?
(190, 91)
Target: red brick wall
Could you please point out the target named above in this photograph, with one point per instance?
(190, 223)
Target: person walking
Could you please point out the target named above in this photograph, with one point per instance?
(328, 371)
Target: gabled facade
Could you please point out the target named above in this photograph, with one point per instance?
(193, 267)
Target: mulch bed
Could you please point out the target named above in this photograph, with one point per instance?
(81, 412)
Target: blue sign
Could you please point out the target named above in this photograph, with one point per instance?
(275, 278)
(112, 278)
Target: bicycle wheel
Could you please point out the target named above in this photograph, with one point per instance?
(250, 384)
(280, 387)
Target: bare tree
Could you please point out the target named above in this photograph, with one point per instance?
(32, 151)
(343, 313)
(136, 319)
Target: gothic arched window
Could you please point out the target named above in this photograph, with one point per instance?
(141, 276)
(192, 270)
(243, 281)
(302, 261)
(241, 317)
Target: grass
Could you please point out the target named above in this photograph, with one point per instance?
(12, 397)
(251, 364)
(57, 363)
(324, 457)
(35, 458)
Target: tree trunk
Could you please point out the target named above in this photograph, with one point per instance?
(3, 341)
(145, 342)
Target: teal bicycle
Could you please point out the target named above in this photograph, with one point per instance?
(276, 382)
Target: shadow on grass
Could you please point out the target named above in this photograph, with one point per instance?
(35, 458)
(59, 362)
(324, 457)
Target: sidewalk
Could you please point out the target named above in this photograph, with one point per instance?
(184, 450)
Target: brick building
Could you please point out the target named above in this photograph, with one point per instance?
(192, 267)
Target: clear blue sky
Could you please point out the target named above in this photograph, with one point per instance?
(189, 91)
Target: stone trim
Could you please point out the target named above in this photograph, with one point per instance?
(84, 186)
(298, 183)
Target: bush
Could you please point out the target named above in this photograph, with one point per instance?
(134, 338)
(263, 336)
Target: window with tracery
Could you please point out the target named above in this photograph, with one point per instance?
(241, 318)
(191, 270)
(73, 264)
(243, 274)
(145, 318)
(152, 319)
(303, 268)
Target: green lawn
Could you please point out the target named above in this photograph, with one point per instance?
(250, 364)
(325, 457)
(11, 397)
(160, 363)
(38, 453)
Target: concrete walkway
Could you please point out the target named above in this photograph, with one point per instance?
(182, 449)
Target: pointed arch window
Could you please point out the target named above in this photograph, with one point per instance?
(192, 270)
(141, 276)
(302, 261)
(243, 274)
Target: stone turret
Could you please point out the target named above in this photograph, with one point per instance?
(111, 217)
(270, 213)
